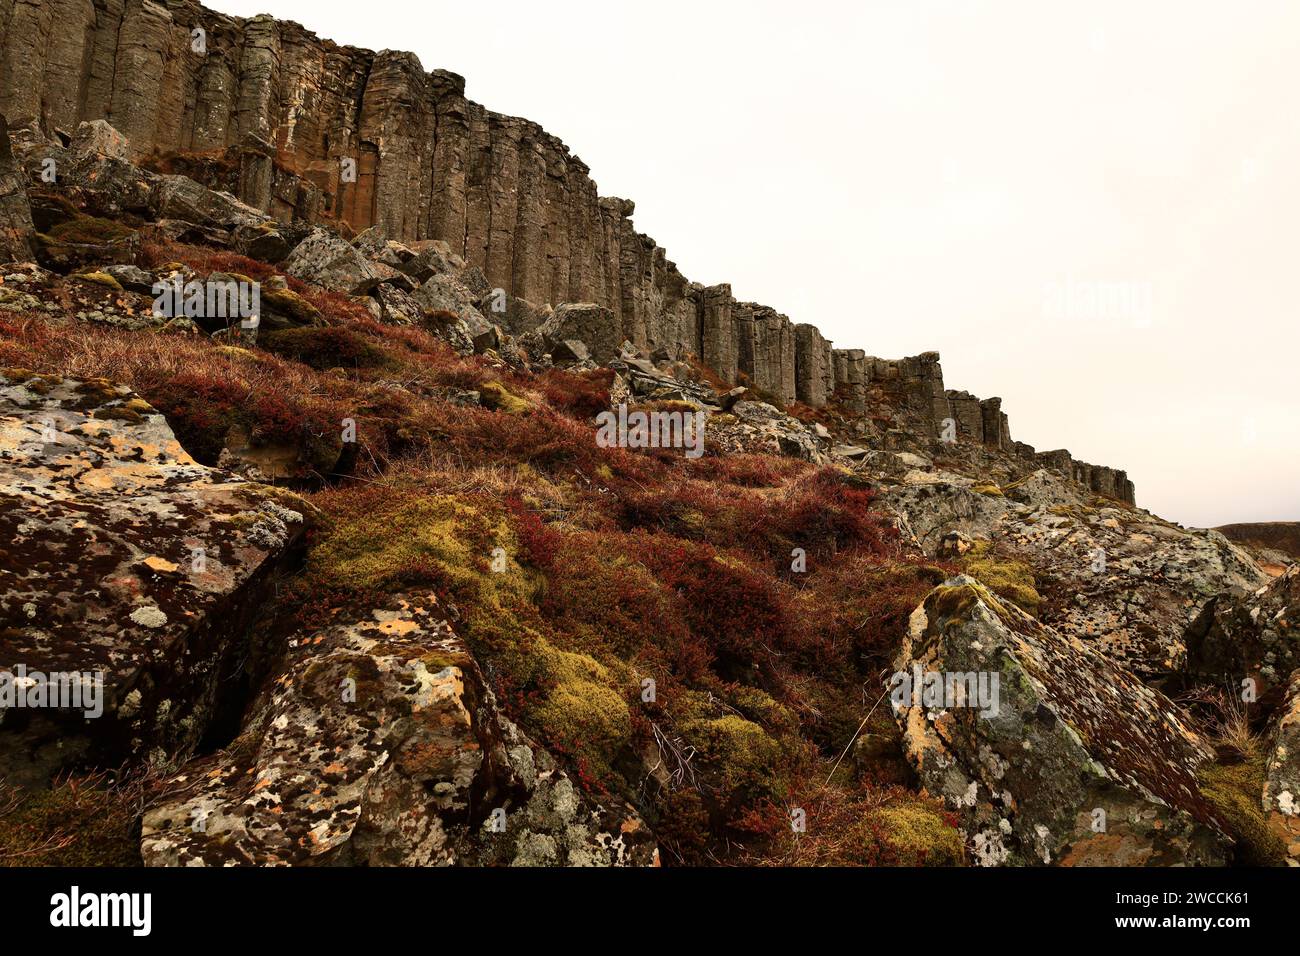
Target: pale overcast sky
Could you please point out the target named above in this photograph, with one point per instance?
(1090, 209)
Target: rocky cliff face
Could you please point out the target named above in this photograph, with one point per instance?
(308, 129)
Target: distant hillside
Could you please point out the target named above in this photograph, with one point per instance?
(1283, 536)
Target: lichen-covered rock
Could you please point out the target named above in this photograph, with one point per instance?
(1255, 636)
(326, 260)
(1069, 761)
(756, 427)
(594, 326)
(97, 139)
(179, 197)
(375, 245)
(446, 295)
(1282, 784)
(432, 257)
(121, 559)
(396, 306)
(1113, 575)
(379, 743)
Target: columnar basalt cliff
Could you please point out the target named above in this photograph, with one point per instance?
(317, 130)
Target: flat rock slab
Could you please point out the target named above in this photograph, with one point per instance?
(378, 742)
(1075, 763)
(125, 561)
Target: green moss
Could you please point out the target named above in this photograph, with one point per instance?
(951, 600)
(439, 660)
(447, 541)
(913, 834)
(497, 397)
(763, 709)
(957, 600)
(289, 304)
(117, 413)
(100, 278)
(89, 230)
(991, 490)
(1013, 580)
(582, 710)
(94, 822)
(97, 390)
(418, 540)
(1236, 792)
(740, 757)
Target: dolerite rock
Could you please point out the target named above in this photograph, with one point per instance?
(1116, 576)
(131, 278)
(396, 306)
(1282, 783)
(282, 308)
(1255, 636)
(327, 260)
(98, 140)
(432, 257)
(122, 557)
(113, 188)
(814, 366)
(379, 743)
(592, 325)
(445, 294)
(179, 197)
(570, 351)
(727, 400)
(1074, 763)
(512, 313)
(264, 242)
(15, 213)
(375, 245)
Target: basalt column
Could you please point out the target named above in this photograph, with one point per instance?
(718, 332)
(812, 365)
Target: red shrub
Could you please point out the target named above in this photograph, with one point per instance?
(825, 514)
(583, 395)
(204, 260)
(747, 471)
(538, 542)
(742, 616)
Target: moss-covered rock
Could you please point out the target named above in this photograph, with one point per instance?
(1027, 734)
(100, 278)
(497, 397)
(382, 744)
(913, 833)
(1006, 577)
